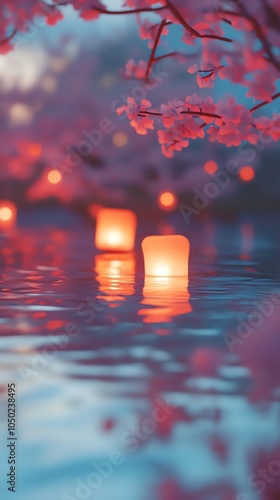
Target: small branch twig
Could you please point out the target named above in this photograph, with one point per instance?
(192, 31)
(151, 60)
(6, 40)
(194, 113)
(261, 104)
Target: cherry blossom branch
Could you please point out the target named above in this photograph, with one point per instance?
(261, 104)
(180, 18)
(173, 54)
(193, 32)
(189, 112)
(151, 60)
(6, 40)
(258, 30)
(114, 12)
(260, 34)
(120, 12)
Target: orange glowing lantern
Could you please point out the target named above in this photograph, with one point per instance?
(115, 230)
(166, 256)
(8, 213)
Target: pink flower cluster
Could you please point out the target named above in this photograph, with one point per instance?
(226, 122)
(237, 41)
(137, 115)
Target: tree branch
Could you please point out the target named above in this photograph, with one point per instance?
(193, 113)
(120, 12)
(112, 12)
(6, 40)
(258, 30)
(261, 104)
(151, 60)
(193, 32)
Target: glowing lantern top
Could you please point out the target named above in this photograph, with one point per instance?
(115, 230)
(166, 256)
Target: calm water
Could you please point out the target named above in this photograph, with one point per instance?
(111, 369)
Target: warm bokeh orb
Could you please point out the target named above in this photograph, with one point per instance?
(246, 174)
(54, 176)
(210, 167)
(34, 149)
(8, 213)
(5, 213)
(120, 139)
(167, 200)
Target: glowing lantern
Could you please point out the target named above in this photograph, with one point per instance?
(8, 213)
(115, 230)
(166, 256)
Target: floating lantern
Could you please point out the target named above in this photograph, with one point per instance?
(115, 230)
(8, 213)
(164, 300)
(166, 256)
(115, 275)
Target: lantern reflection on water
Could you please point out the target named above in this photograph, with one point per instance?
(115, 230)
(8, 213)
(166, 298)
(166, 255)
(115, 275)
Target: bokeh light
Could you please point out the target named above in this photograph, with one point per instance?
(20, 113)
(120, 139)
(5, 213)
(246, 174)
(210, 167)
(167, 200)
(8, 212)
(54, 176)
(34, 149)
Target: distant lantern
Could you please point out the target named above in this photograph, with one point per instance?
(166, 256)
(115, 230)
(8, 214)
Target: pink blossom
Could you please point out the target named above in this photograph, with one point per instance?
(135, 70)
(171, 112)
(261, 87)
(136, 114)
(171, 140)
